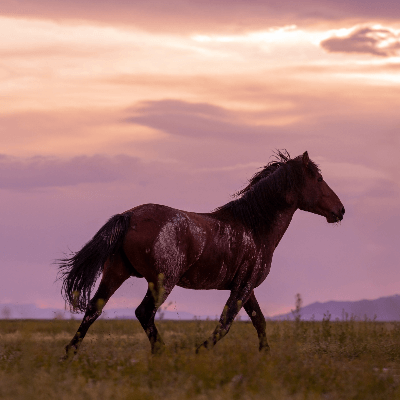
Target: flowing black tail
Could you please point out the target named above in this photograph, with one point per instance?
(81, 270)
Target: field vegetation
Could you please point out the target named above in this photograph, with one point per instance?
(308, 360)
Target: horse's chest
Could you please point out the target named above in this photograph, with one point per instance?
(261, 270)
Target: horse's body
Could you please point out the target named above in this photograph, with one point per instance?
(210, 256)
(228, 249)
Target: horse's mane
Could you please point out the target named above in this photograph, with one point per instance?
(256, 204)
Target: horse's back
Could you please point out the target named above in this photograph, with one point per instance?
(162, 239)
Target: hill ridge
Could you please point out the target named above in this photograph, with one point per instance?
(385, 308)
(381, 309)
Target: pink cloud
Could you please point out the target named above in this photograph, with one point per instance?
(366, 40)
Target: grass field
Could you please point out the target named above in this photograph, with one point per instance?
(308, 360)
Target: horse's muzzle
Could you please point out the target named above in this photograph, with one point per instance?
(337, 216)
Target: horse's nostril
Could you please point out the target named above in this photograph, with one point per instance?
(339, 216)
(343, 211)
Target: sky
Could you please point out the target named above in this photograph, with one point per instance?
(109, 105)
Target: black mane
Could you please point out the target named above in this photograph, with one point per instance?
(257, 204)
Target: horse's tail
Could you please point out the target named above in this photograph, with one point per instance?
(80, 271)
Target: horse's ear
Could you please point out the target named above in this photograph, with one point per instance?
(306, 159)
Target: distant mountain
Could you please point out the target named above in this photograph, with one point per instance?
(383, 309)
(30, 311)
(129, 313)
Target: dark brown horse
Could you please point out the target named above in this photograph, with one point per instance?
(228, 249)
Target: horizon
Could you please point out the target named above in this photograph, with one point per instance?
(8, 310)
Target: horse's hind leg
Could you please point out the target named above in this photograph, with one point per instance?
(146, 311)
(114, 275)
(257, 318)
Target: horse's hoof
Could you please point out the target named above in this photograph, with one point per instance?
(70, 352)
(265, 349)
(158, 349)
(202, 346)
(66, 357)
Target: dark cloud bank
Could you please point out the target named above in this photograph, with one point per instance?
(195, 120)
(203, 15)
(40, 171)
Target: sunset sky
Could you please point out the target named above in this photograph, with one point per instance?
(108, 105)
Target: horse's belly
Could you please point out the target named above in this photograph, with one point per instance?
(205, 277)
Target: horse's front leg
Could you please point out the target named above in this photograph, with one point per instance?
(257, 318)
(231, 309)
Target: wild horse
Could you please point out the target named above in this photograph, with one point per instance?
(230, 248)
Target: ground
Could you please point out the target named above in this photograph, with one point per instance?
(308, 360)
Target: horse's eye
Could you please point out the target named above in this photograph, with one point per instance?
(320, 179)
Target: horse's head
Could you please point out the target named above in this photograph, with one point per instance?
(316, 196)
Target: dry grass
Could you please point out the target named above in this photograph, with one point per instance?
(308, 360)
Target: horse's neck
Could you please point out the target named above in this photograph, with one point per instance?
(281, 222)
(270, 232)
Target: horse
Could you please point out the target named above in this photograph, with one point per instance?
(229, 248)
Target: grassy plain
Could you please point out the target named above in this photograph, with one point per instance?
(308, 360)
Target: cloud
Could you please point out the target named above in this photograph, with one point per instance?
(171, 182)
(197, 120)
(377, 41)
(202, 16)
(41, 172)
